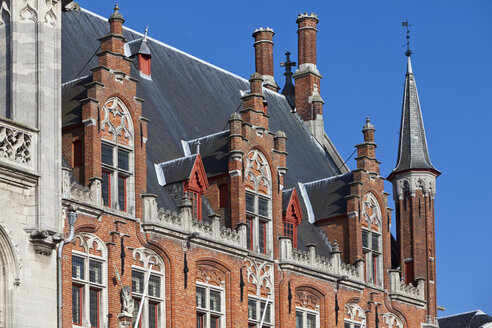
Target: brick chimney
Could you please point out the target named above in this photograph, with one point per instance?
(264, 56)
(307, 75)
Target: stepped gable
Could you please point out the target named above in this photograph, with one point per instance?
(188, 98)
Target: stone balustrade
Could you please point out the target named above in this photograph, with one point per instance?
(183, 222)
(90, 195)
(332, 265)
(398, 290)
(17, 145)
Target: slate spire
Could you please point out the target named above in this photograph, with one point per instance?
(412, 148)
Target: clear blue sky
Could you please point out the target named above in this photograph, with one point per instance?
(361, 56)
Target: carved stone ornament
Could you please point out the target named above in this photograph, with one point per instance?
(15, 144)
(4, 8)
(260, 274)
(28, 13)
(390, 320)
(371, 212)
(117, 121)
(307, 300)
(209, 275)
(127, 303)
(257, 172)
(146, 256)
(354, 313)
(89, 241)
(43, 241)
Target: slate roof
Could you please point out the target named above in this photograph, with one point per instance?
(473, 319)
(412, 148)
(188, 99)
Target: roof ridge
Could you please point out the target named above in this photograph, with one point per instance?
(184, 53)
(75, 80)
(454, 315)
(326, 179)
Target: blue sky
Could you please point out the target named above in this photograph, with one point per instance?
(361, 56)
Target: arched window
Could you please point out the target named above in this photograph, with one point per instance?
(371, 239)
(153, 315)
(117, 157)
(354, 316)
(307, 309)
(391, 321)
(89, 281)
(9, 277)
(210, 297)
(258, 202)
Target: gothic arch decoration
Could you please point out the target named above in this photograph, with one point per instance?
(390, 320)
(28, 13)
(89, 242)
(117, 124)
(257, 173)
(207, 272)
(260, 274)
(354, 313)
(371, 212)
(9, 276)
(307, 298)
(146, 256)
(4, 11)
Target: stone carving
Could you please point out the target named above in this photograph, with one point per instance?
(167, 216)
(117, 120)
(28, 13)
(371, 212)
(50, 18)
(307, 300)
(392, 321)
(81, 193)
(355, 314)
(15, 145)
(146, 256)
(257, 172)
(127, 304)
(4, 8)
(209, 275)
(260, 274)
(89, 241)
(409, 293)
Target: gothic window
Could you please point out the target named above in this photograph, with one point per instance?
(354, 316)
(117, 156)
(391, 321)
(307, 309)
(292, 217)
(89, 292)
(256, 311)
(210, 296)
(371, 239)
(258, 202)
(152, 314)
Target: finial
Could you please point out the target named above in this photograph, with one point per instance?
(146, 31)
(198, 143)
(368, 125)
(408, 53)
(287, 64)
(315, 97)
(116, 14)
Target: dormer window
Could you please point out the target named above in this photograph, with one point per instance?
(117, 156)
(258, 202)
(292, 215)
(195, 185)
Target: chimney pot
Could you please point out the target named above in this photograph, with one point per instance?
(264, 56)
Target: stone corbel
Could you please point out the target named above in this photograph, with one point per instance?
(69, 5)
(44, 241)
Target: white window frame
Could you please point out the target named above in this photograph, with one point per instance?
(207, 311)
(375, 220)
(259, 312)
(354, 311)
(305, 312)
(87, 285)
(144, 316)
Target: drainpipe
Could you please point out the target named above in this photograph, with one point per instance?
(71, 217)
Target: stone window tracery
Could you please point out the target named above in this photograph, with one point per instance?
(390, 320)
(153, 311)
(371, 239)
(117, 158)
(210, 297)
(354, 316)
(258, 202)
(89, 281)
(307, 309)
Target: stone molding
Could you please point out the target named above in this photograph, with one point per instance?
(17, 145)
(412, 181)
(398, 290)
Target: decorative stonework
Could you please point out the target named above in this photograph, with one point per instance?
(260, 274)
(307, 300)
(90, 242)
(408, 293)
(390, 320)
(146, 256)
(354, 313)
(257, 173)
(4, 7)
(90, 195)
(16, 145)
(209, 275)
(412, 181)
(371, 212)
(117, 125)
(28, 13)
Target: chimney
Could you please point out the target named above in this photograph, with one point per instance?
(144, 56)
(307, 75)
(264, 56)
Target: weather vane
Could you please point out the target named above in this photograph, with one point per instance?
(408, 53)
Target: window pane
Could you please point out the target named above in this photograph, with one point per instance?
(215, 300)
(154, 286)
(311, 321)
(95, 271)
(76, 305)
(77, 267)
(200, 297)
(94, 307)
(137, 282)
(249, 234)
(356, 325)
(267, 314)
(365, 239)
(214, 322)
(123, 159)
(252, 309)
(263, 206)
(106, 188)
(375, 242)
(153, 315)
(299, 320)
(107, 154)
(261, 236)
(136, 307)
(347, 325)
(122, 193)
(200, 320)
(250, 203)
